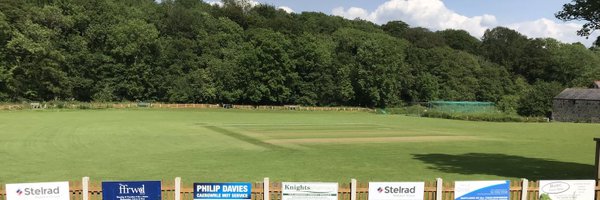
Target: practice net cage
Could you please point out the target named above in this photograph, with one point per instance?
(463, 106)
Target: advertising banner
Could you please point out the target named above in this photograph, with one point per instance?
(132, 190)
(38, 191)
(567, 190)
(396, 190)
(481, 190)
(309, 191)
(218, 191)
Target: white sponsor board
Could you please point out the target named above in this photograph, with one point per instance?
(567, 190)
(38, 191)
(309, 191)
(396, 190)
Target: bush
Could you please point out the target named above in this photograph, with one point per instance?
(415, 110)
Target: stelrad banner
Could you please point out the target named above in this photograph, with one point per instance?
(567, 189)
(222, 191)
(481, 190)
(309, 191)
(396, 190)
(38, 191)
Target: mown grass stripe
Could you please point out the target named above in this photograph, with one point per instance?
(243, 137)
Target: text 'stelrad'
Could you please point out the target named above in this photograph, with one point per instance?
(38, 191)
(396, 190)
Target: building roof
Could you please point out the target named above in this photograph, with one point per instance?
(579, 94)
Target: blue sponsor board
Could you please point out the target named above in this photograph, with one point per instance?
(482, 190)
(134, 190)
(218, 191)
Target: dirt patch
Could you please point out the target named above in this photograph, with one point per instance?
(372, 140)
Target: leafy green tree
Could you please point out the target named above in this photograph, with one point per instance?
(460, 40)
(237, 11)
(423, 38)
(505, 47)
(195, 87)
(37, 56)
(574, 65)
(376, 63)
(427, 88)
(582, 10)
(395, 28)
(5, 71)
(222, 50)
(456, 72)
(320, 23)
(313, 60)
(494, 82)
(131, 44)
(537, 101)
(267, 68)
(508, 104)
(267, 16)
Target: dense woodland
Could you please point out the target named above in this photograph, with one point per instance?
(193, 52)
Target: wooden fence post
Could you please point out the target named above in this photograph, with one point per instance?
(353, 189)
(439, 188)
(266, 191)
(178, 188)
(525, 189)
(85, 183)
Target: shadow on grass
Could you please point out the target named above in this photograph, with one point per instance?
(244, 138)
(507, 166)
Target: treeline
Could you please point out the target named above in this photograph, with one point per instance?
(188, 51)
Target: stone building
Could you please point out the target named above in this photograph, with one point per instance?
(577, 105)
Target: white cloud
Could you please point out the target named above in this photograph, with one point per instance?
(286, 9)
(434, 15)
(544, 28)
(251, 2)
(352, 13)
(218, 3)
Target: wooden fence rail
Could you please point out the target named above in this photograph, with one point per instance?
(344, 192)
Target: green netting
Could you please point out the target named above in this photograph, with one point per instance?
(463, 106)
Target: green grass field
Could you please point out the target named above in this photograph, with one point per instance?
(233, 145)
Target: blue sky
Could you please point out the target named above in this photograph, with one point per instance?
(508, 11)
(534, 18)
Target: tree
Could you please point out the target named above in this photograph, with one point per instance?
(237, 11)
(5, 72)
(574, 65)
(423, 38)
(460, 40)
(505, 47)
(268, 70)
(320, 23)
(196, 87)
(537, 101)
(376, 64)
(582, 10)
(313, 60)
(37, 56)
(131, 44)
(395, 28)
